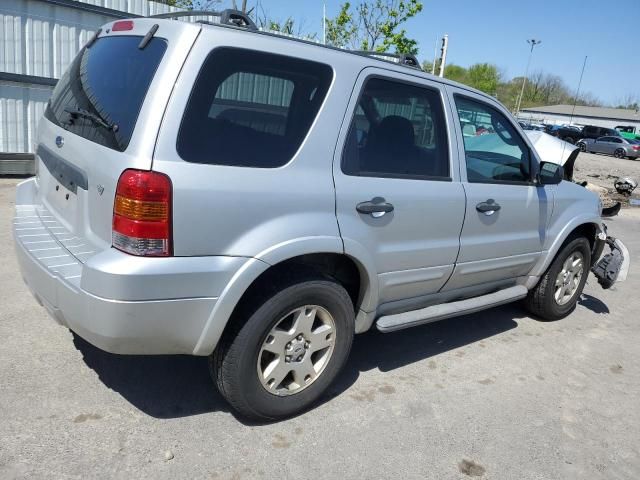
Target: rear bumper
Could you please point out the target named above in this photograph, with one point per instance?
(119, 303)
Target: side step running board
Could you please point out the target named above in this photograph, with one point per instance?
(413, 318)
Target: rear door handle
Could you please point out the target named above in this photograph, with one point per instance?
(489, 207)
(375, 207)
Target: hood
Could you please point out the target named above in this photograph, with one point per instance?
(554, 150)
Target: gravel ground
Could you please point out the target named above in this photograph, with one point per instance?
(490, 395)
(603, 170)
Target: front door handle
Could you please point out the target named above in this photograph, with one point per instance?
(375, 207)
(489, 207)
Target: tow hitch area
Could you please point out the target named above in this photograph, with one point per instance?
(614, 266)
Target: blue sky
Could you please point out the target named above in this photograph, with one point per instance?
(495, 31)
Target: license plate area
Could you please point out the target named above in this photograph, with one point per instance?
(65, 173)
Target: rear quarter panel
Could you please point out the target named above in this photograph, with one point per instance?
(267, 213)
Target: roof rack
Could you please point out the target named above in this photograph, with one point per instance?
(229, 16)
(400, 58)
(236, 18)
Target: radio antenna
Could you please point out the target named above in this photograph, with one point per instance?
(575, 99)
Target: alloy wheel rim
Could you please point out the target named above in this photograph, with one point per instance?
(568, 279)
(296, 350)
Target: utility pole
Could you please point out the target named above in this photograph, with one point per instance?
(533, 42)
(443, 57)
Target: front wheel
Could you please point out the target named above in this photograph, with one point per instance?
(583, 147)
(287, 352)
(560, 287)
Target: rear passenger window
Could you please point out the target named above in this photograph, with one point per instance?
(251, 109)
(494, 151)
(398, 130)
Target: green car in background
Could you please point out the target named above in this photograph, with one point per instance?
(628, 132)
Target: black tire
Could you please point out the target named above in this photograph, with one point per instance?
(541, 301)
(583, 147)
(619, 153)
(234, 362)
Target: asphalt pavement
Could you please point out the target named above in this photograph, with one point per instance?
(493, 395)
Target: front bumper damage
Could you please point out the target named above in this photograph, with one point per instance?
(614, 266)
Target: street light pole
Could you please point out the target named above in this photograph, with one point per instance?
(533, 42)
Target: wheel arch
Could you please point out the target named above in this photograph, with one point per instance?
(580, 227)
(258, 275)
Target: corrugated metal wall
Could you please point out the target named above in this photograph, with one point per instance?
(21, 107)
(137, 7)
(41, 39)
(252, 87)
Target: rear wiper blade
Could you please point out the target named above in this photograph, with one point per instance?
(80, 112)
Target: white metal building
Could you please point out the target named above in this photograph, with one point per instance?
(38, 39)
(598, 116)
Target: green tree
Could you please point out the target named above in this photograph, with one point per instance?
(289, 26)
(374, 26)
(484, 77)
(341, 30)
(456, 73)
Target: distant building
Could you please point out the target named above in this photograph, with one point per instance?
(598, 116)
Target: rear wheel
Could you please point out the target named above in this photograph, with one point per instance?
(619, 153)
(583, 147)
(280, 359)
(558, 290)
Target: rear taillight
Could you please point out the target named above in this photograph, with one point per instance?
(142, 214)
(635, 147)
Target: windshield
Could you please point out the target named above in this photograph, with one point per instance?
(100, 95)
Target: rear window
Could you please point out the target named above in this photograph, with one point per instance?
(251, 109)
(100, 95)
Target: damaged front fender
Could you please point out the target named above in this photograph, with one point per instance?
(614, 266)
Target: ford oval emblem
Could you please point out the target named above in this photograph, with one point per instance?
(59, 141)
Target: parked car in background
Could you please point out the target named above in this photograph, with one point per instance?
(568, 133)
(531, 126)
(619, 147)
(629, 132)
(593, 132)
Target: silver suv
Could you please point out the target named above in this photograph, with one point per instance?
(215, 190)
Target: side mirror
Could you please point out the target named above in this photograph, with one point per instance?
(550, 173)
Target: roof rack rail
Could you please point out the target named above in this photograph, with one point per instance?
(406, 59)
(227, 17)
